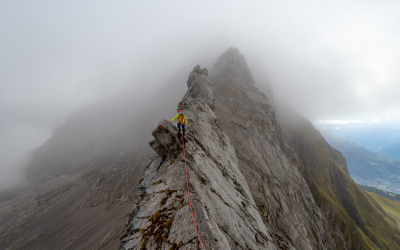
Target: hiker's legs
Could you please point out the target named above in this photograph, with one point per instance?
(179, 126)
(183, 128)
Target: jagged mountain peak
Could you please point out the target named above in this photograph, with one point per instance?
(233, 64)
(225, 212)
(226, 187)
(199, 89)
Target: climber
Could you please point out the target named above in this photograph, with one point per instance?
(181, 121)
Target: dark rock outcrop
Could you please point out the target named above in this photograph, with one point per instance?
(166, 139)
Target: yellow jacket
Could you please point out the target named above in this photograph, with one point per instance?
(181, 119)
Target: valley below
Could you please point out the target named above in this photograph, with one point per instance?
(366, 167)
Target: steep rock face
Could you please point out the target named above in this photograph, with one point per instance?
(282, 197)
(323, 168)
(226, 214)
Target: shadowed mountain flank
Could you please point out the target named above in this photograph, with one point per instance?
(366, 167)
(85, 178)
(353, 216)
(82, 181)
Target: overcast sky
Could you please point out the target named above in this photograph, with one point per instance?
(331, 60)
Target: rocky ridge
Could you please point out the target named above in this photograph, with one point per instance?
(248, 194)
(225, 212)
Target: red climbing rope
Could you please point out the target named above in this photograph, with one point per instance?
(190, 203)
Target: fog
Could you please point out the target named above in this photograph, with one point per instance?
(330, 61)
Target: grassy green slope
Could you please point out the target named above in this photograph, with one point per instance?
(391, 207)
(362, 221)
(380, 192)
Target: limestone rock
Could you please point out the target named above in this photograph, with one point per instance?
(166, 139)
(225, 212)
(281, 194)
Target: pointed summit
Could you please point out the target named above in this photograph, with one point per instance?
(233, 66)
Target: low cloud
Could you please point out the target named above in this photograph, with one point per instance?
(329, 61)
